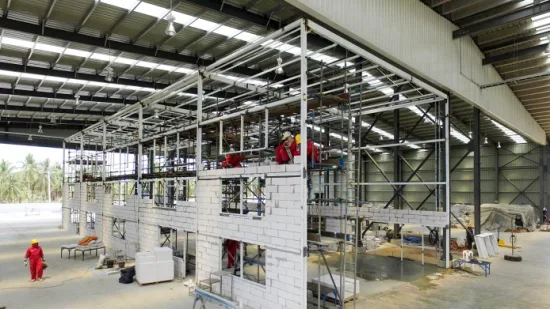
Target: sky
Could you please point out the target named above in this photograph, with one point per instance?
(15, 153)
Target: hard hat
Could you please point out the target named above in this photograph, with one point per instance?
(298, 138)
(286, 135)
(34, 241)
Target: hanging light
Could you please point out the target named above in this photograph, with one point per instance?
(53, 119)
(109, 75)
(77, 97)
(30, 138)
(486, 140)
(279, 69)
(381, 138)
(156, 114)
(170, 30)
(40, 129)
(470, 134)
(498, 145)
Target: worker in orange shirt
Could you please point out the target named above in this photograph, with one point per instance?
(284, 153)
(312, 150)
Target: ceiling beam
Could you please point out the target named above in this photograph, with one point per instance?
(514, 41)
(454, 6)
(64, 96)
(86, 16)
(480, 8)
(503, 20)
(117, 46)
(49, 11)
(519, 53)
(45, 121)
(13, 108)
(17, 68)
(239, 13)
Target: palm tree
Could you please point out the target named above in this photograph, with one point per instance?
(30, 173)
(11, 189)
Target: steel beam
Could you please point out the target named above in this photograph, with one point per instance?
(4, 107)
(86, 16)
(116, 46)
(518, 53)
(477, 172)
(541, 182)
(514, 41)
(503, 20)
(242, 14)
(63, 96)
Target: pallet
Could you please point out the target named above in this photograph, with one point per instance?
(151, 283)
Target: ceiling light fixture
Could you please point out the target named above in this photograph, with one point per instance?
(381, 137)
(30, 138)
(110, 74)
(156, 114)
(486, 140)
(470, 134)
(53, 119)
(498, 145)
(170, 30)
(279, 69)
(40, 129)
(77, 97)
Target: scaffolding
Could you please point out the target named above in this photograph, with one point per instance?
(334, 93)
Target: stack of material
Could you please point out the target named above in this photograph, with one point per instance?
(372, 242)
(496, 216)
(156, 266)
(487, 245)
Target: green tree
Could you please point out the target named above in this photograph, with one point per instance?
(30, 175)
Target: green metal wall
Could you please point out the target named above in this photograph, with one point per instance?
(515, 173)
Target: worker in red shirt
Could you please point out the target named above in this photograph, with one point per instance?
(233, 160)
(284, 153)
(231, 247)
(312, 150)
(35, 256)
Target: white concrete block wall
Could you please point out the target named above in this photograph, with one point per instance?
(65, 207)
(279, 231)
(140, 237)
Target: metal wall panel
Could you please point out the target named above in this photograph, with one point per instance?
(418, 39)
(522, 173)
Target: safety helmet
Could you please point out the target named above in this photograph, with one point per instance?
(34, 241)
(286, 135)
(298, 138)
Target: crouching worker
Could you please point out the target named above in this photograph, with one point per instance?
(233, 160)
(35, 257)
(312, 150)
(284, 153)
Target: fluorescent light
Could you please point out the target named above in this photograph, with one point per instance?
(102, 57)
(247, 37)
(204, 24)
(77, 53)
(125, 4)
(49, 48)
(227, 31)
(184, 70)
(151, 10)
(511, 134)
(9, 73)
(96, 84)
(539, 17)
(32, 76)
(17, 42)
(183, 19)
(165, 67)
(56, 79)
(127, 61)
(77, 81)
(147, 64)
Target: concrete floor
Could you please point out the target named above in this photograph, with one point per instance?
(71, 283)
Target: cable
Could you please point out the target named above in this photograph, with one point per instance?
(48, 287)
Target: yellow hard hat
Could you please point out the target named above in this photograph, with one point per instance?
(298, 138)
(34, 241)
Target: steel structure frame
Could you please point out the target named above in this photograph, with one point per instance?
(331, 97)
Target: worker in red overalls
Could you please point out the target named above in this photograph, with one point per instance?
(35, 256)
(284, 153)
(233, 160)
(231, 248)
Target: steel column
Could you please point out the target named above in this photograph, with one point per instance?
(541, 183)
(398, 203)
(477, 173)
(303, 162)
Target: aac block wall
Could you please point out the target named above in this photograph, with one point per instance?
(279, 231)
